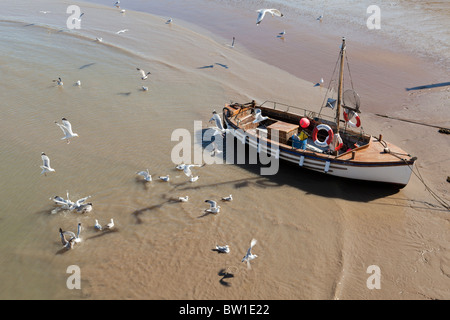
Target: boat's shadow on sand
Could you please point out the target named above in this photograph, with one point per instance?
(310, 182)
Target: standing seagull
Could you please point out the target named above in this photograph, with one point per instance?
(97, 225)
(259, 117)
(213, 207)
(262, 13)
(144, 75)
(66, 127)
(250, 256)
(110, 225)
(46, 164)
(169, 21)
(164, 178)
(229, 198)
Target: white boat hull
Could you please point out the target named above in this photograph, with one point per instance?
(397, 174)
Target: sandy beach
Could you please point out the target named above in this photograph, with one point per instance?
(317, 235)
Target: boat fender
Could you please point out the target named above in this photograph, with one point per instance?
(350, 123)
(329, 138)
(338, 143)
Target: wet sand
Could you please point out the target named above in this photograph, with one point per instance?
(316, 235)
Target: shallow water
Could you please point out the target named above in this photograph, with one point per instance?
(315, 234)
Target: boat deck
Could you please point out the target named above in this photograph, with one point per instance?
(372, 152)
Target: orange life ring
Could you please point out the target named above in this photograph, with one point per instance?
(350, 123)
(328, 140)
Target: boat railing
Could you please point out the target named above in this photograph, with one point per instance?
(295, 110)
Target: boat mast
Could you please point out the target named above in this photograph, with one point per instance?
(340, 86)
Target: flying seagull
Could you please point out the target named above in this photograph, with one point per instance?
(121, 31)
(144, 75)
(147, 176)
(187, 168)
(249, 255)
(219, 128)
(59, 81)
(66, 127)
(86, 207)
(46, 164)
(213, 207)
(262, 13)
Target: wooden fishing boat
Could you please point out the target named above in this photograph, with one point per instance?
(330, 145)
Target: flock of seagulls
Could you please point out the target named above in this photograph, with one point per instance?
(69, 238)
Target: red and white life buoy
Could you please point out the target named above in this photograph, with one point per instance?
(329, 138)
(350, 123)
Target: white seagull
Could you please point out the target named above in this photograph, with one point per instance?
(97, 225)
(187, 168)
(224, 249)
(117, 4)
(215, 150)
(79, 18)
(180, 166)
(169, 21)
(262, 13)
(213, 207)
(144, 88)
(219, 125)
(78, 83)
(46, 164)
(183, 199)
(44, 12)
(66, 127)
(164, 178)
(84, 208)
(99, 39)
(250, 256)
(79, 203)
(229, 198)
(147, 176)
(282, 33)
(144, 75)
(259, 117)
(65, 204)
(193, 179)
(110, 225)
(59, 81)
(121, 31)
